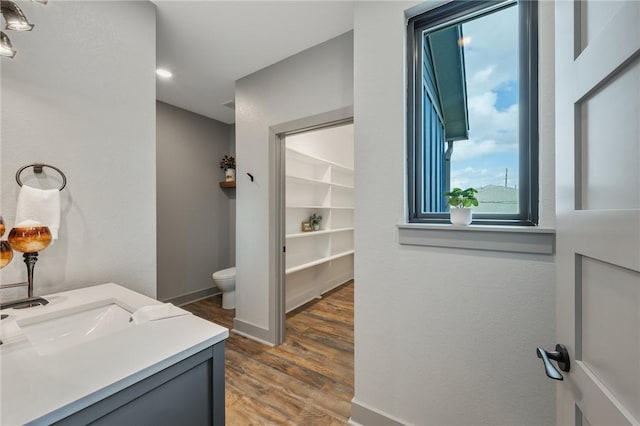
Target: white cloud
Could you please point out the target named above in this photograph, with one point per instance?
(490, 131)
(465, 150)
(493, 51)
(487, 121)
(483, 76)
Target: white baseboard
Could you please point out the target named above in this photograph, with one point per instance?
(193, 296)
(251, 331)
(363, 414)
(337, 282)
(301, 299)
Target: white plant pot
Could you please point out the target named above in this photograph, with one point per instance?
(461, 216)
(230, 175)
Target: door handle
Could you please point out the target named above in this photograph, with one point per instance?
(560, 355)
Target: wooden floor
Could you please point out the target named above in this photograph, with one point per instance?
(308, 380)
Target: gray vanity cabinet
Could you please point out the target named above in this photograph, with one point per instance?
(190, 392)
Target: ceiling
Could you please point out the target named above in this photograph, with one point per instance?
(208, 45)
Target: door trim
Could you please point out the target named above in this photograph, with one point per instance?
(277, 134)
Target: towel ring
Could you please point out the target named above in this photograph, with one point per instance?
(37, 168)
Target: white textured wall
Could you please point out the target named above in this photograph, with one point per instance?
(314, 81)
(443, 336)
(80, 94)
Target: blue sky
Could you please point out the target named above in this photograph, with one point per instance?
(491, 60)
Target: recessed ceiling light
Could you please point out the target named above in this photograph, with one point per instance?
(164, 73)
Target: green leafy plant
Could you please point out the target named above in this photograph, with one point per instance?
(227, 162)
(459, 198)
(314, 219)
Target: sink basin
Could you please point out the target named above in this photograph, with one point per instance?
(57, 331)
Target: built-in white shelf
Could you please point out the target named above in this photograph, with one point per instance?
(315, 233)
(317, 262)
(312, 158)
(308, 180)
(319, 207)
(307, 207)
(337, 185)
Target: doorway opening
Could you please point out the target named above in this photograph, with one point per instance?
(317, 209)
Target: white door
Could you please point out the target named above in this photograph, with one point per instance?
(598, 210)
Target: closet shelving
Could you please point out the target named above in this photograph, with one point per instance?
(317, 261)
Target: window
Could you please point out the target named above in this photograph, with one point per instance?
(473, 109)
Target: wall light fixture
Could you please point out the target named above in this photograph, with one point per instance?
(5, 46)
(14, 17)
(15, 20)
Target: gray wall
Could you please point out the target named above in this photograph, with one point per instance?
(193, 211)
(80, 94)
(443, 336)
(315, 81)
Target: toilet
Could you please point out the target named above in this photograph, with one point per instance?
(225, 280)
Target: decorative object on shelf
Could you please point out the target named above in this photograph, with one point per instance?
(315, 219)
(15, 21)
(461, 202)
(228, 164)
(306, 226)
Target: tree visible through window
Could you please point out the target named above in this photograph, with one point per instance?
(474, 117)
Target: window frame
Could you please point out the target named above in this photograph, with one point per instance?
(458, 11)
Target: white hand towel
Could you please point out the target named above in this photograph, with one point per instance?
(41, 205)
(157, 312)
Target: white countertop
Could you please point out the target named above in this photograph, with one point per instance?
(41, 389)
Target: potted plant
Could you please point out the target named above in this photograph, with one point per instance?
(228, 164)
(461, 202)
(314, 219)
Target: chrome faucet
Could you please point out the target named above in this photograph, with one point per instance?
(22, 303)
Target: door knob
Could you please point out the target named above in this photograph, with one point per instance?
(560, 355)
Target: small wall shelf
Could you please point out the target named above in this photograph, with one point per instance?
(231, 184)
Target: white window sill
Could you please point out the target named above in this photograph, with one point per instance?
(516, 239)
